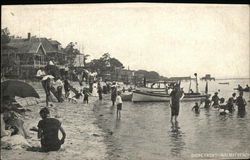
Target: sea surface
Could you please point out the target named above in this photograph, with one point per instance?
(145, 132)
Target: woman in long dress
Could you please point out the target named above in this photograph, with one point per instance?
(94, 92)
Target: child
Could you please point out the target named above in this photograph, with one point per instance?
(196, 108)
(86, 96)
(48, 132)
(119, 105)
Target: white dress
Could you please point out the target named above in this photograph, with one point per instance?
(94, 91)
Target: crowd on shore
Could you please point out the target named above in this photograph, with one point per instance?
(48, 128)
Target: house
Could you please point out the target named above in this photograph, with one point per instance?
(29, 54)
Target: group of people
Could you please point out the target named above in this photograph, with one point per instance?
(223, 106)
(240, 88)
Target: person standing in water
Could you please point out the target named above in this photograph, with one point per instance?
(119, 105)
(196, 108)
(207, 102)
(176, 95)
(215, 100)
(48, 132)
(241, 103)
(231, 103)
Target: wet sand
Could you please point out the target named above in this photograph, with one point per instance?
(84, 140)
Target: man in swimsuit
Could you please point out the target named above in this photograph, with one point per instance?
(176, 95)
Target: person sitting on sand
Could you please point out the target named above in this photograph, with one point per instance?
(73, 97)
(48, 132)
(12, 120)
(215, 100)
(14, 124)
(119, 104)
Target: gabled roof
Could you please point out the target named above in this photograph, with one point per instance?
(32, 45)
(25, 45)
(54, 42)
(48, 46)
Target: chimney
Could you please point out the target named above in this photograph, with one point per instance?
(29, 36)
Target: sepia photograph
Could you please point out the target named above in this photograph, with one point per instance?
(125, 81)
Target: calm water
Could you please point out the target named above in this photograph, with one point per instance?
(145, 132)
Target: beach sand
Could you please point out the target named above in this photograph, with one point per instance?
(84, 140)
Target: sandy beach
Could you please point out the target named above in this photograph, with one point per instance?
(85, 140)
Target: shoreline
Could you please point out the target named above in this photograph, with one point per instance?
(104, 112)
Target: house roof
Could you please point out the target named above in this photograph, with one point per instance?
(54, 42)
(25, 45)
(47, 45)
(32, 45)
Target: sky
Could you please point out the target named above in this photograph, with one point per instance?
(172, 39)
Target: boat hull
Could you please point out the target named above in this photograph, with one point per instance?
(139, 96)
(126, 97)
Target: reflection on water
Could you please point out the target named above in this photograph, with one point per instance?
(145, 131)
(176, 141)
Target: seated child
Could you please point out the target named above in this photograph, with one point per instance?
(73, 97)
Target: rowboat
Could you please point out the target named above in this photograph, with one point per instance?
(224, 83)
(142, 96)
(154, 96)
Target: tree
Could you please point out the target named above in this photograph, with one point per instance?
(104, 63)
(5, 36)
(149, 75)
(71, 52)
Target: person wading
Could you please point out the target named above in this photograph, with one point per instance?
(176, 95)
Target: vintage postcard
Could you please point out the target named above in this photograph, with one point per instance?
(125, 81)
